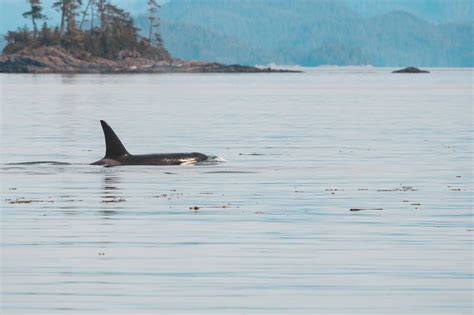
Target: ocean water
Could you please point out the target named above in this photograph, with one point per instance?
(268, 231)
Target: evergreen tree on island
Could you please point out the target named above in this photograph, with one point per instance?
(68, 10)
(35, 14)
(153, 8)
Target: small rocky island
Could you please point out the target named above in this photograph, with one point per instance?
(97, 37)
(55, 59)
(410, 70)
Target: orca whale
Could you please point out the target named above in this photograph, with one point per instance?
(116, 154)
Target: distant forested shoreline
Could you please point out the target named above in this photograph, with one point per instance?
(393, 33)
(313, 33)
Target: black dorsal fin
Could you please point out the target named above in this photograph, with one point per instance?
(113, 145)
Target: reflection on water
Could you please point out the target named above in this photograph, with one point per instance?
(111, 193)
(273, 221)
(111, 185)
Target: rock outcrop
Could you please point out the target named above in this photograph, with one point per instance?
(410, 70)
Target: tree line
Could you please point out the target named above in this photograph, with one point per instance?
(90, 28)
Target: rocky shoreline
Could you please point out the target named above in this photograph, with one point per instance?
(57, 60)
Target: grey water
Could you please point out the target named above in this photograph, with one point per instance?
(268, 231)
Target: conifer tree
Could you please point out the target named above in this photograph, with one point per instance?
(60, 6)
(90, 4)
(153, 8)
(101, 10)
(35, 14)
(68, 9)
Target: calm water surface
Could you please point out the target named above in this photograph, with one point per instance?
(274, 233)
